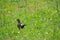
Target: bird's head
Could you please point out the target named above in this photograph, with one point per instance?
(18, 20)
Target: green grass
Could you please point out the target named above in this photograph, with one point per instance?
(40, 16)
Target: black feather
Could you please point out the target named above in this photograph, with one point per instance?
(19, 24)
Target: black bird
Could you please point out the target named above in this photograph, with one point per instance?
(20, 25)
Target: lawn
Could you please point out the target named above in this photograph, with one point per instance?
(41, 17)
